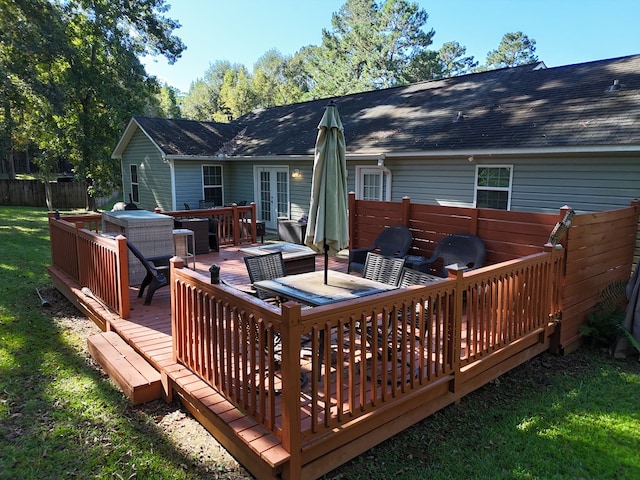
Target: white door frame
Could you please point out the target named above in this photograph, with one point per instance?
(269, 209)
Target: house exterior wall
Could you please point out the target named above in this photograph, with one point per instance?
(154, 175)
(238, 182)
(585, 184)
(189, 182)
(540, 184)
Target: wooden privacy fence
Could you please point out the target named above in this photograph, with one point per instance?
(368, 362)
(32, 193)
(599, 246)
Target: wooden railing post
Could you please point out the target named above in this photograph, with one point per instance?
(236, 224)
(254, 223)
(455, 336)
(352, 221)
(406, 211)
(80, 261)
(176, 318)
(291, 377)
(554, 301)
(122, 272)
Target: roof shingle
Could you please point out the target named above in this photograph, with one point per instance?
(519, 107)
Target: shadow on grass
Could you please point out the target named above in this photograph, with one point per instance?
(553, 417)
(59, 416)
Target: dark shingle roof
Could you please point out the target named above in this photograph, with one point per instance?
(520, 107)
(188, 137)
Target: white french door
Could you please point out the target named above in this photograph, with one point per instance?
(272, 184)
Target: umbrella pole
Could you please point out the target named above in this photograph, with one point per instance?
(326, 261)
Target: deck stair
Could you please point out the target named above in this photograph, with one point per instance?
(139, 381)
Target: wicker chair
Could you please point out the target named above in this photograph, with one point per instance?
(264, 267)
(409, 277)
(383, 269)
(392, 242)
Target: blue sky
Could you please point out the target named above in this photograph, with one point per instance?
(241, 31)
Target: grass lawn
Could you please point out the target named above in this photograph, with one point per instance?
(573, 417)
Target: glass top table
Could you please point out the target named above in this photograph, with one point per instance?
(309, 288)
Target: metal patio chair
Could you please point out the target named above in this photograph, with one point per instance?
(383, 269)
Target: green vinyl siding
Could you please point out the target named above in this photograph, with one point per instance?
(585, 184)
(154, 175)
(433, 182)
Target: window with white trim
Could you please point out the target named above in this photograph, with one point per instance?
(135, 186)
(373, 183)
(493, 186)
(212, 184)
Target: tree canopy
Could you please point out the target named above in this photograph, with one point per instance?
(515, 49)
(74, 77)
(369, 47)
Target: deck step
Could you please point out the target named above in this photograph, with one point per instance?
(139, 381)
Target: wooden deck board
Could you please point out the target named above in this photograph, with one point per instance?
(137, 378)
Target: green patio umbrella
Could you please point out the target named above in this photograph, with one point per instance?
(327, 226)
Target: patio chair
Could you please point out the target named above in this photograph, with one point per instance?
(392, 242)
(461, 248)
(157, 269)
(265, 267)
(383, 269)
(411, 277)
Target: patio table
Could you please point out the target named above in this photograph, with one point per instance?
(309, 288)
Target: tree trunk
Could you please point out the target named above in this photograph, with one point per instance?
(8, 160)
(9, 166)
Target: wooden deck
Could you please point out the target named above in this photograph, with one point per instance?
(220, 361)
(148, 331)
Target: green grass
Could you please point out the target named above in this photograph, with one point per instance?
(59, 418)
(573, 417)
(576, 417)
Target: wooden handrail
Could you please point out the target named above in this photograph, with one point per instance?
(95, 262)
(236, 224)
(384, 348)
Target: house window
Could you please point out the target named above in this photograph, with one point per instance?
(135, 187)
(212, 184)
(493, 186)
(373, 183)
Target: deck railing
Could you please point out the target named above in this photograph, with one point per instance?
(94, 262)
(236, 224)
(100, 263)
(361, 357)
